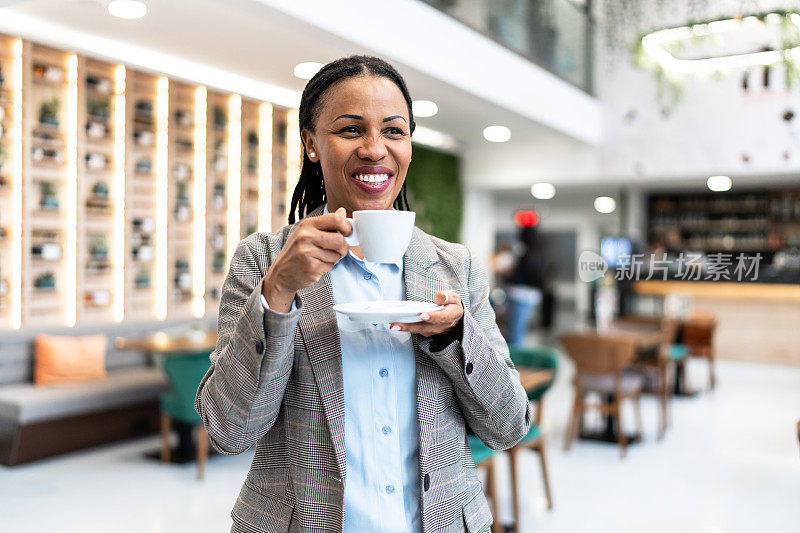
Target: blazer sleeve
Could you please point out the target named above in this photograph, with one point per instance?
(487, 386)
(240, 396)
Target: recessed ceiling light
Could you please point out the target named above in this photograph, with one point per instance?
(306, 71)
(605, 204)
(424, 108)
(127, 9)
(543, 191)
(719, 183)
(433, 138)
(497, 134)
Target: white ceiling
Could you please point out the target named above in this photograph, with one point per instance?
(249, 39)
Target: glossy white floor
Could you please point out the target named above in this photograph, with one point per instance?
(730, 463)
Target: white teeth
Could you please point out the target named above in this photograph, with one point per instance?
(372, 178)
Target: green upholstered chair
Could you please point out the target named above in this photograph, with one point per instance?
(184, 372)
(536, 357)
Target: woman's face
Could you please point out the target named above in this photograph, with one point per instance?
(362, 138)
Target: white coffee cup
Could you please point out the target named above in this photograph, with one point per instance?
(382, 234)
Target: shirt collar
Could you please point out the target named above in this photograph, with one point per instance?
(399, 264)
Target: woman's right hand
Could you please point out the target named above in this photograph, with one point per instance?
(313, 249)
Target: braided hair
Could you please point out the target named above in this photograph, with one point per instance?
(310, 190)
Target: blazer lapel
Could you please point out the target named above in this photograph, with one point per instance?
(321, 336)
(320, 333)
(421, 283)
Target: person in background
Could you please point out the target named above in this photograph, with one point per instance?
(526, 284)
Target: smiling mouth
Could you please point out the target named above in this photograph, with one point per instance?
(374, 176)
(375, 179)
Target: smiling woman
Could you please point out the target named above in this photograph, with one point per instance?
(359, 426)
(356, 124)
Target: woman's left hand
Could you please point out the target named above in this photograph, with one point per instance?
(437, 322)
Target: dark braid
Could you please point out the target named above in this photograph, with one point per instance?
(310, 190)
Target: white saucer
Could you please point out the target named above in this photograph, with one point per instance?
(386, 311)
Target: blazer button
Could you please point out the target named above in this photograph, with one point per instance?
(259, 347)
(469, 368)
(427, 481)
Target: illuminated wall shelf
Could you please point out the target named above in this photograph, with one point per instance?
(217, 198)
(96, 163)
(279, 208)
(105, 153)
(140, 187)
(180, 200)
(250, 161)
(47, 255)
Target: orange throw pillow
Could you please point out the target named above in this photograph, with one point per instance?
(69, 359)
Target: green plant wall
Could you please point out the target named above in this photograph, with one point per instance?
(434, 192)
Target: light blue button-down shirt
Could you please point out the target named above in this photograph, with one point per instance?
(382, 486)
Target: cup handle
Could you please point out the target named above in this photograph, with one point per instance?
(352, 239)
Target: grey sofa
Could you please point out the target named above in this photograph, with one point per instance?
(38, 422)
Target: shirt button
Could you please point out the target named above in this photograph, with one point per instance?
(469, 368)
(259, 347)
(383, 372)
(427, 482)
(389, 489)
(386, 430)
(367, 276)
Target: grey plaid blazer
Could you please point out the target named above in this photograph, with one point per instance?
(275, 381)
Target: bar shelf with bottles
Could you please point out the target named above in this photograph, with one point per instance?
(761, 223)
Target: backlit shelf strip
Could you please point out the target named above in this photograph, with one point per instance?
(234, 187)
(200, 139)
(293, 145)
(119, 193)
(71, 277)
(162, 196)
(265, 167)
(16, 187)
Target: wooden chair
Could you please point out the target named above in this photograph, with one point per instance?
(599, 364)
(659, 365)
(698, 336)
